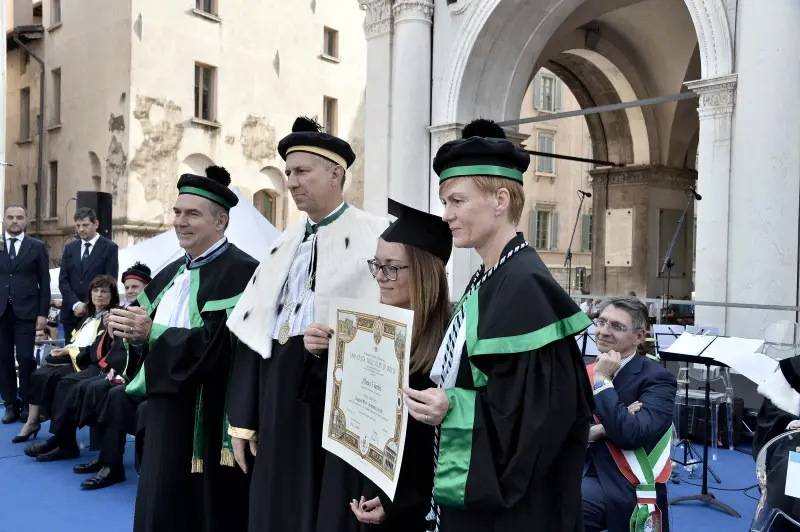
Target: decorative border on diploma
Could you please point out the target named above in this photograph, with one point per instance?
(385, 459)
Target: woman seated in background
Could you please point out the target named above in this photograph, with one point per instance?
(409, 267)
(74, 357)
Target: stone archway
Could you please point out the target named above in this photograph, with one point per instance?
(95, 172)
(479, 64)
(195, 163)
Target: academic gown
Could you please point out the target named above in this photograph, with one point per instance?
(277, 392)
(771, 421)
(513, 442)
(185, 369)
(341, 483)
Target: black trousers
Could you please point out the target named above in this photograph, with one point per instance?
(66, 405)
(22, 334)
(117, 417)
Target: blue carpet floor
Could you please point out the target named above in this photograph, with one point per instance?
(47, 497)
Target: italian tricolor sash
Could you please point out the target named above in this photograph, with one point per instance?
(643, 470)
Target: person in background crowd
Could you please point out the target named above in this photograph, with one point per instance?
(76, 357)
(24, 297)
(620, 379)
(135, 279)
(82, 261)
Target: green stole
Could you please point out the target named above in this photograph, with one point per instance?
(138, 386)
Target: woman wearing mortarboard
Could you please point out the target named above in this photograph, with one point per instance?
(409, 267)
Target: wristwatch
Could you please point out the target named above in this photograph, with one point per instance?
(599, 384)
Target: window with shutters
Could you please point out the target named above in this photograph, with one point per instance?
(55, 108)
(543, 230)
(207, 6)
(546, 144)
(330, 43)
(25, 114)
(586, 233)
(24, 196)
(205, 85)
(52, 201)
(330, 110)
(264, 201)
(547, 93)
(55, 12)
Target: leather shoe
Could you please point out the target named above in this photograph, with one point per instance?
(59, 453)
(11, 415)
(94, 466)
(40, 448)
(107, 476)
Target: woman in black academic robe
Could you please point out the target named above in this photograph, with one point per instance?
(409, 267)
(75, 356)
(514, 403)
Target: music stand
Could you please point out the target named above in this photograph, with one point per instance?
(588, 343)
(704, 495)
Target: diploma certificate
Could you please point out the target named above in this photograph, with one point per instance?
(365, 415)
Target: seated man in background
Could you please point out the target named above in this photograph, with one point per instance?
(615, 490)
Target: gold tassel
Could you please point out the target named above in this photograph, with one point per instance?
(197, 465)
(227, 458)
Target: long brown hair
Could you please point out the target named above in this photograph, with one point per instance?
(430, 301)
(103, 281)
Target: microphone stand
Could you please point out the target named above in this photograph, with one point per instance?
(568, 256)
(668, 262)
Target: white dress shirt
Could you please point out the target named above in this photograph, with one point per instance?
(17, 244)
(92, 244)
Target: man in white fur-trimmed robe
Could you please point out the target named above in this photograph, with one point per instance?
(276, 395)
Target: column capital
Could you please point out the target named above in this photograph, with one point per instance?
(378, 20)
(413, 10)
(717, 95)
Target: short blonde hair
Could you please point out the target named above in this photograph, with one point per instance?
(487, 185)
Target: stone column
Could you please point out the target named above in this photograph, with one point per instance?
(378, 31)
(409, 159)
(764, 195)
(717, 98)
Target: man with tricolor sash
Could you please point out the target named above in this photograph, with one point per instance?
(188, 481)
(628, 459)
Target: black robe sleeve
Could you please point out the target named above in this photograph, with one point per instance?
(178, 358)
(499, 439)
(243, 393)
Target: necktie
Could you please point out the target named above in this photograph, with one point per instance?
(87, 245)
(12, 248)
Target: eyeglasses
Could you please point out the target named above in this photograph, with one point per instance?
(615, 326)
(389, 270)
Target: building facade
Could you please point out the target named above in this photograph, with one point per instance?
(732, 105)
(138, 92)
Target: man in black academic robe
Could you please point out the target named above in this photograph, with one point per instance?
(188, 480)
(277, 390)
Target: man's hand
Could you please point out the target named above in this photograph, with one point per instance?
(428, 406)
(132, 324)
(596, 432)
(317, 338)
(794, 425)
(634, 407)
(240, 451)
(60, 352)
(607, 365)
(370, 512)
(80, 310)
(41, 323)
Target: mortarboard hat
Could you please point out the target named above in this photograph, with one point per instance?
(419, 229)
(137, 271)
(306, 136)
(483, 150)
(213, 186)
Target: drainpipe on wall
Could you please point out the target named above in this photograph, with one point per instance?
(22, 30)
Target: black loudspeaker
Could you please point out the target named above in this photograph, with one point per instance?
(100, 203)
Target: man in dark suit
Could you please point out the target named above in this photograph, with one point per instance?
(24, 303)
(621, 379)
(82, 261)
